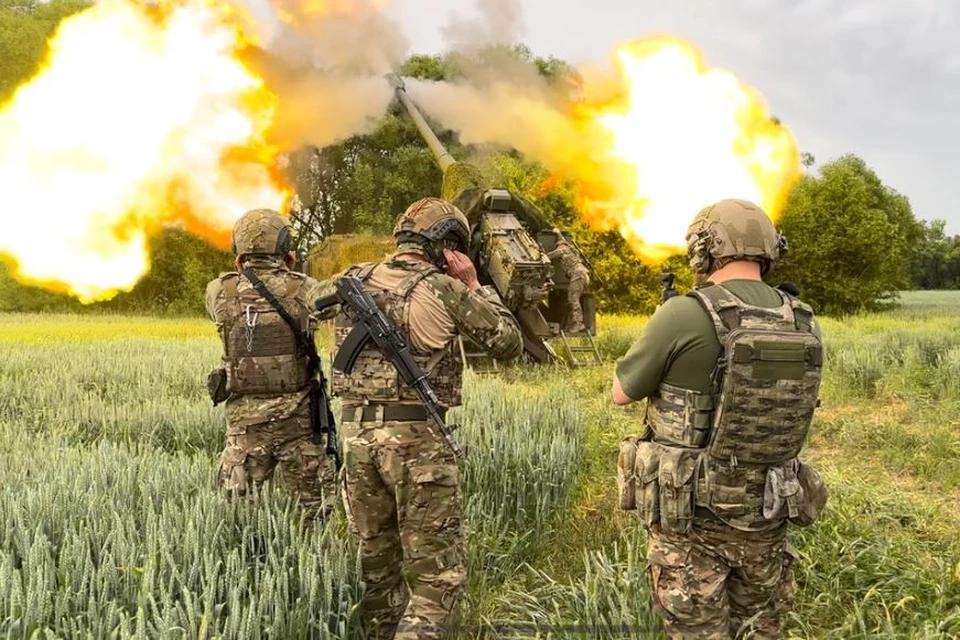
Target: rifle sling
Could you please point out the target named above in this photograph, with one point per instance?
(306, 344)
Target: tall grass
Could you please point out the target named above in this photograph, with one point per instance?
(525, 445)
(112, 525)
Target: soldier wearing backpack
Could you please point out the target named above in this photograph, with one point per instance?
(731, 372)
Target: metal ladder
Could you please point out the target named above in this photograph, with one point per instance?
(477, 359)
(586, 345)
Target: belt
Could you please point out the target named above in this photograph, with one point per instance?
(391, 413)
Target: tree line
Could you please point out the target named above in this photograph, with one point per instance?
(854, 241)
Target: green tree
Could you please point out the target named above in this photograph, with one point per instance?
(851, 238)
(25, 27)
(936, 259)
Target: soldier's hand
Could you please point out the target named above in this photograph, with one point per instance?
(460, 267)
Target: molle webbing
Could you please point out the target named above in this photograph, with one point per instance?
(680, 416)
(262, 352)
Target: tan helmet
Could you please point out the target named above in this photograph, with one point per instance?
(262, 232)
(731, 230)
(432, 221)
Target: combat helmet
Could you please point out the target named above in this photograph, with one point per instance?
(731, 230)
(262, 232)
(434, 225)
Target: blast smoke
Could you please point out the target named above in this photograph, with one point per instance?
(325, 62)
(499, 23)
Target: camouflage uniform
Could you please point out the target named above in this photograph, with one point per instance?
(716, 479)
(401, 481)
(578, 277)
(267, 427)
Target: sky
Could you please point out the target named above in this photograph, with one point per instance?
(878, 78)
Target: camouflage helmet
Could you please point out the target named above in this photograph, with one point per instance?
(262, 232)
(433, 221)
(731, 230)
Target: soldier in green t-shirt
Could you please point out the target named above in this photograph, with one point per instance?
(731, 374)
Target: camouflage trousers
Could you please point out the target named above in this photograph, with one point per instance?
(578, 284)
(253, 452)
(713, 585)
(402, 496)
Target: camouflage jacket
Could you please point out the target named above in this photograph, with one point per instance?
(433, 314)
(246, 410)
(570, 261)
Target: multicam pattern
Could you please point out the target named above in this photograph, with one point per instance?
(254, 451)
(432, 309)
(402, 484)
(720, 585)
(771, 381)
(731, 230)
(402, 494)
(578, 276)
(261, 231)
(267, 429)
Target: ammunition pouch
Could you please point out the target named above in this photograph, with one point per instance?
(678, 483)
(795, 491)
(217, 386)
(680, 416)
(267, 374)
(665, 484)
(638, 479)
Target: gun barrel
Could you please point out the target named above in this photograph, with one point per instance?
(444, 159)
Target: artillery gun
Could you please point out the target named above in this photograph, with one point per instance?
(510, 239)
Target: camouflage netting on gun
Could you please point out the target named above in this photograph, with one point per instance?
(337, 253)
(458, 177)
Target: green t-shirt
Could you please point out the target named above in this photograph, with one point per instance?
(679, 345)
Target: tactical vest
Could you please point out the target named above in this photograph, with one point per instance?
(734, 451)
(374, 379)
(261, 355)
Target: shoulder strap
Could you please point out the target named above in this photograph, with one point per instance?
(306, 344)
(802, 314)
(362, 271)
(722, 306)
(724, 310)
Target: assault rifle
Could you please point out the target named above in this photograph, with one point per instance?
(321, 417)
(372, 325)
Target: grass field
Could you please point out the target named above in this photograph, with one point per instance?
(110, 525)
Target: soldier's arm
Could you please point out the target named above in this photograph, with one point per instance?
(640, 371)
(480, 315)
(315, 290)
(214, 287)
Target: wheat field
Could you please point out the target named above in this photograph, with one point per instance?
(110, 524)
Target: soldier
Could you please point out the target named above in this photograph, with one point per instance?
(401, 481)
(265, 380)
(731, 372)
(578, 277)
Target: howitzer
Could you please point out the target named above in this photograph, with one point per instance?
(510, 239)
(372, 325)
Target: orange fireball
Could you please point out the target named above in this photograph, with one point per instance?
(139, 117)
(681, 135)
